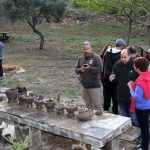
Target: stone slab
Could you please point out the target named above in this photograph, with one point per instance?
(4, 108)
(37, 116)
(97, 132)
(16, 111)
(3, 89)
(130, 134)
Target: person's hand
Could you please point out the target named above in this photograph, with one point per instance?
(112, 77)
(130, 84)
(84, 68)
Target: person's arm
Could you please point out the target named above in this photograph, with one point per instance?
(98, 68)
(77, 68)
(138, 94)
(80, 69)
(113, 76)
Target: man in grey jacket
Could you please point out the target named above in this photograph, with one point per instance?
(1, 58)
(89, 66)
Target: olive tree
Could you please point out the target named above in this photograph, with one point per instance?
(129, 9)
(145, 11)
(33, 12)
(133, 10)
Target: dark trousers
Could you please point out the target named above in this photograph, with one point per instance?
(1, 68)
(143, 119)
(124, 108)
(109, 93)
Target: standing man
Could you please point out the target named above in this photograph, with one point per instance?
(1, 58)
(123, 72)
(110, 88)
(89, 67)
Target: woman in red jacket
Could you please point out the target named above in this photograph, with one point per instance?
(140, 92)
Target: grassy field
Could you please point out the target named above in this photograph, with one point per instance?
(51, 71)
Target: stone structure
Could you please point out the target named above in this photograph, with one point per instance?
(100, 133)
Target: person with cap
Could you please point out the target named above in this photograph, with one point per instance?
(88, 67)
(1, 58)
(110, 57)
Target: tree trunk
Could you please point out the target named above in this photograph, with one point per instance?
(148, 35)
(148, 28)
(37, 32)
(41, 36)
(129, 31)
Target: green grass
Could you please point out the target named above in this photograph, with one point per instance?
(51, 70)
(10, 80)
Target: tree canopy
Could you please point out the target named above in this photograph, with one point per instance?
(33, 12)
(131, 9)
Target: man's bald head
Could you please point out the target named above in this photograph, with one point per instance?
(124, 51)
(125, 56)
(87, 49)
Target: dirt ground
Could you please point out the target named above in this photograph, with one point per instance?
(59, 143)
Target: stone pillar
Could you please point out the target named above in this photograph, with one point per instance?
(21, 131)
(35, 138)
(113, 145)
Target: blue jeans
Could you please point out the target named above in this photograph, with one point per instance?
(134, 119)
(124, 108)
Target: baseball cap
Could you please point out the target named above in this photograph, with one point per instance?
(120, 42)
